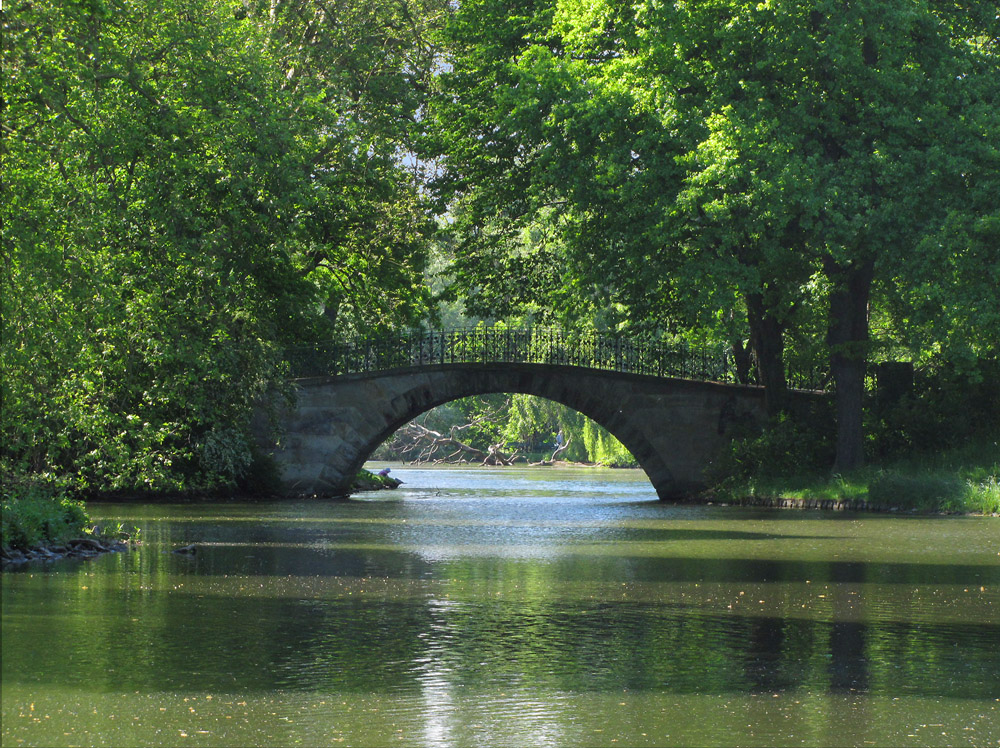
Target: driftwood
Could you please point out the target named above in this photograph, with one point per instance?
(552, 459)
(418, 444)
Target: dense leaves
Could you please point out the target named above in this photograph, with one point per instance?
(191, 186)
(771, 174)
(32, 515)
(188, 187)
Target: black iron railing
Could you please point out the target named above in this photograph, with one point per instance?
(535, 345)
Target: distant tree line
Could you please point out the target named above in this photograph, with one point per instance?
(505, 430)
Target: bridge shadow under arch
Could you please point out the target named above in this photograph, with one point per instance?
(674, 427)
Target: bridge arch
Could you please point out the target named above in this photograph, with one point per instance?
(674, 427)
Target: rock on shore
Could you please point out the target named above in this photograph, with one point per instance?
(76, 548)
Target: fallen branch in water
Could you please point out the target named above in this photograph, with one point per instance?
(418, 444)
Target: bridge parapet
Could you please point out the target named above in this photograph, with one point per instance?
(532, 345)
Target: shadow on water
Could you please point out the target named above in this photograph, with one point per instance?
(212, 643)
(319, 560)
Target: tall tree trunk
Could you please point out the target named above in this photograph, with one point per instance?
(742, 360)
(767, 341)
(847, 339)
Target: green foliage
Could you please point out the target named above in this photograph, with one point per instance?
(603, 448)
(525, 424)
(922, 493)
(538, 420)
(37, 514)
(766, 174)
(965, 488)
(952, 404)
(262, 477)
(784, 447)
(948, 479)
(366, 480)
(983, 496)
(964, 480)
(189, 187)
(120, 532)
(535, 421)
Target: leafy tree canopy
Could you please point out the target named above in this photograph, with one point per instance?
(796, 165)
(190, 186)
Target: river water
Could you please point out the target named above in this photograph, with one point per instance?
(521, 607)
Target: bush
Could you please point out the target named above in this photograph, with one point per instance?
(37, 514)
(365, 480)
(935, 493)
(923, 493)
(984, 495)
(783, 448)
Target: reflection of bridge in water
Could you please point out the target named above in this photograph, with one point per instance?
(672, 406)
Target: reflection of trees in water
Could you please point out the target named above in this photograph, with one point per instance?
(290, 612)
(517, 631)
(849, 663)
(849, 666)
(763, 657)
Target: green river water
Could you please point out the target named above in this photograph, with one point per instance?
(510, 607)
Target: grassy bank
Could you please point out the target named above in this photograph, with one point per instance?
(42, 523)
(965, 480)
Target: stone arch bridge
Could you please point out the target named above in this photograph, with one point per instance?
(665, 404)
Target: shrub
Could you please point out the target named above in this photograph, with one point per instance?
(921, 492)
(365, 480)
(783, 448)
(984, 495)
(38, 514)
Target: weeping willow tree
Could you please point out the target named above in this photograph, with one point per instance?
(500, 429)
(537, 420)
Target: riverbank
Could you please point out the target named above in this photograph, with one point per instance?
(41, 524)
(959, 481)
(85, 547)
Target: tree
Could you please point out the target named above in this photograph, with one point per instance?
(565, 173)
(851, 125)
(785, 157)
(179, 205)
(358, 75)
